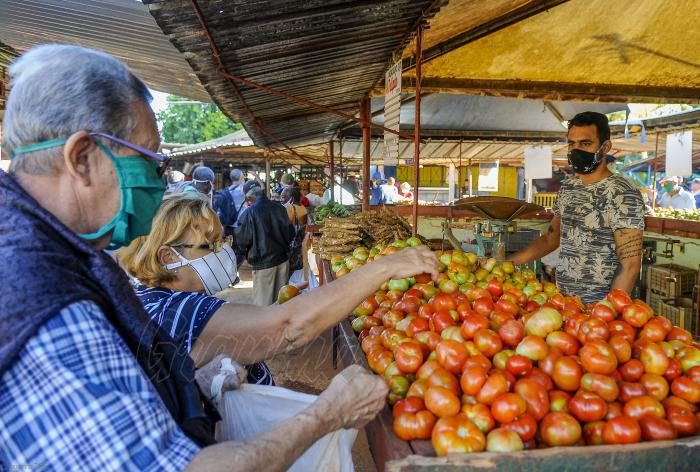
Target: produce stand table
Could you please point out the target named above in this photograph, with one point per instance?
(393, 455)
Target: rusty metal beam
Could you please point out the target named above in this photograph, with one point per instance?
(416, 133)
(562, 91)
(366, 154)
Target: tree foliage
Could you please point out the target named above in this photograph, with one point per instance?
(188, 122)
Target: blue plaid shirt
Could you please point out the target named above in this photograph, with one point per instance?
(77, 399)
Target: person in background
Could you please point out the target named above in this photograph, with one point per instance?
(675, 195)
(375, 192)
(174, 179)
(203, 181)
(695, 190)
(298, 216)
(389, 192)
(264, 233)
(598, 219)
(405, 191)
(230, 201)
(350, 184)
(341, 195)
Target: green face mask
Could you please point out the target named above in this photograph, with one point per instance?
(669, 187)
(141, 191)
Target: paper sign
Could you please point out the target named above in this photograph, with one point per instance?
(679, 154)
(392, 113)
(488, 177)
(538, 162)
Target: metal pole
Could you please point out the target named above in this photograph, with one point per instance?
(267, 176)
(460, 171)
(330, 152)
(366, 137)
(656, 161)
(416, 134)
(470, 177)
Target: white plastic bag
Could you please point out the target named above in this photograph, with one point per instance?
(254, 409)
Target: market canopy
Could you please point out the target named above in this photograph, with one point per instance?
(123, 28)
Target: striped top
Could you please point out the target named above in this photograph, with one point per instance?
(183, 315)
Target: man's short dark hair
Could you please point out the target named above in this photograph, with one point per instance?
(588, 118)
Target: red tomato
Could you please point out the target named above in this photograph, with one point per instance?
(593, 328)
(441, 320)
(683, 420)
(427, 368)
(614, 410)
(409, 356)
(426, 311)
(593, 433)
(451, 355)
(559, 401)
(587, 407)
(495, 385)
(655, 330)
(541, 378)
(511, 332)
(598, 357)
(693, 374)
(654, 359)
(655, 385)
(478, 360)
(444, 302)
(560, 429)
(507, 306)
(457, 435)
(535, 396)
(567, 374)
(679, 334)
(525, 426)
(603, 312)
(686, 389)
(507, 407)
(621, 347)
(416, 325)
(573, 324)
(443, 378)
(472, 324)
(622, 328)
(601, 384)
(418, 425)
(518, 365)
(391, 338)
(464, 310)
(639, 407)
(417, 389)
(675, 401)
(632, 370)
(370, 342)
(637, 314)
(504, 440)
(532, 347)
(673, 371)
(656, 429)
(495, 288)
(483, 306)
(423, 278)
(487, 342)
(547, 364)
(564, 341)
(480, 415)
(619, 299)
(630, 390)
(622, 430)
(428, 338)
(441, 401)
(408, 405)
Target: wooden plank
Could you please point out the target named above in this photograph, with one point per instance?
(383, 444)
(677, 455)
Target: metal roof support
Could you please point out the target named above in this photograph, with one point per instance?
(366, 154)
(416, 158)
(656, 160)
(332, 169)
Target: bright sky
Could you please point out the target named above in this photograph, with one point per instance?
(159, 102)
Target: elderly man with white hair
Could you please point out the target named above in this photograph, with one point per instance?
(87, 382)
(675, 195)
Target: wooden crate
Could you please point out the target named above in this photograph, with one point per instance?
(679, 311)
(654, 300)
(671, 280)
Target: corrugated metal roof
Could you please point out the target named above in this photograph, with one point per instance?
(123, 28)
(331, 52)
(239, 138)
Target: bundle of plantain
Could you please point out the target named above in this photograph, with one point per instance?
(330, 209)
(693, 215)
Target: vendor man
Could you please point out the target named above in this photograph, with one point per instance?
(86, 381)
(598, 219)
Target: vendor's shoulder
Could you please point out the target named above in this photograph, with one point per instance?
(623, 183)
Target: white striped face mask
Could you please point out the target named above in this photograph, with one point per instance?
(217, 270)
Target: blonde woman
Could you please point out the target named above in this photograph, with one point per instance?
(184, 261)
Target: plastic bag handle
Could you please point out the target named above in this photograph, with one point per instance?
(217, 384)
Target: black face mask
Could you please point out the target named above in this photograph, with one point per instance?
(584, 162)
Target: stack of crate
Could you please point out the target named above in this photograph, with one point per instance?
(670, 292)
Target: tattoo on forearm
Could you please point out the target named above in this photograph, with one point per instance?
(630, 246)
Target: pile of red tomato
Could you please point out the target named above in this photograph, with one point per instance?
(489, 367)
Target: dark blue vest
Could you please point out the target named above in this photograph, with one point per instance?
(44, 267)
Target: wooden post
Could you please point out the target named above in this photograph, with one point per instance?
(416, 134)
(330, 152)
(366, 138)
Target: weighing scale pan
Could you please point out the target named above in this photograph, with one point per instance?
(497, 208)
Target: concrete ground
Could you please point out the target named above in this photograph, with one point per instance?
(307, 370)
